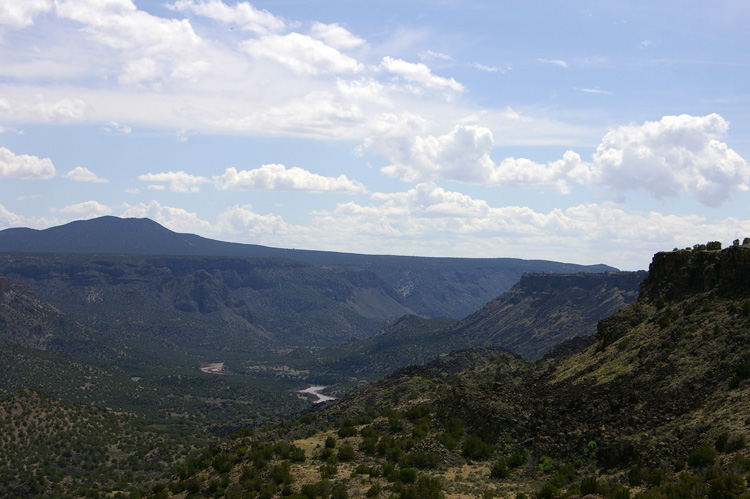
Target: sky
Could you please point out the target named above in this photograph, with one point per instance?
(578, 131)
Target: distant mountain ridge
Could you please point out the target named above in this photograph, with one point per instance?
(536, 314)
(430, 286)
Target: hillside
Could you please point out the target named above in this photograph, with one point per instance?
(433, 287)
(543, 310)
(536, 314)
(658, 405)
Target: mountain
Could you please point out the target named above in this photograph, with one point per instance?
(536, 314)
(543, 310)
(434, 287)
(658, 407)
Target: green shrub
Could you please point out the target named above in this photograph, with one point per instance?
(548, 491)
(374, 491)
(500, 469)
(475, 448)
(346, 453)
(589, 485)
(518, 458)
(701, 457)
(347, 431)
(547, 464)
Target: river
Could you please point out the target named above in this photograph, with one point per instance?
(315, 390)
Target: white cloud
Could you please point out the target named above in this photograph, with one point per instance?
(62, 111)
(596, 91)
(555, 62)
(178, 181)
(9, 219)
(242, 221)
(645, 44)
(24, 166)
(419, 73)
(671, 156)
(19, 14)
(464, 155)
(82, 174)
(153, 49)
(352, 110)
(276, 177)
(176, 219)
(116, 127)
(432, 56)
(430, 220)
(302, 54)
(87, 209)
(665, 158)
(242, 14)
(486, 69)
(336, 36)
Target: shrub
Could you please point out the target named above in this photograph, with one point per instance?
(548, 491)
(591, 449)
(500, 469)
(475, 448)
(328, 471)
(421, 460)
(727, 486)
(425, 488)
(702, 456)
(339, 492)
(374, 491)
(588, 485)
(547, 464)
(347, 431)
(346, 453)
(518, 458)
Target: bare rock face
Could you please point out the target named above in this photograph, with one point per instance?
(678, 274)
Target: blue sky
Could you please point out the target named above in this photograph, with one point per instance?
(578, 131)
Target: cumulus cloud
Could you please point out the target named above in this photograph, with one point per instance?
(464, 155)
(242, 14)
(87, 209)
(178, 181)
(276, 177)
(24, 166)
(82, 174)
(244, 222)
(153, 48)
(419, 73)
(21, 14)
(336, 36)
(302, 54)
(176, 219)
(9, 219)
(671, 156)
(665, 158)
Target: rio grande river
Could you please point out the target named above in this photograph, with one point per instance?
(315, 392)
